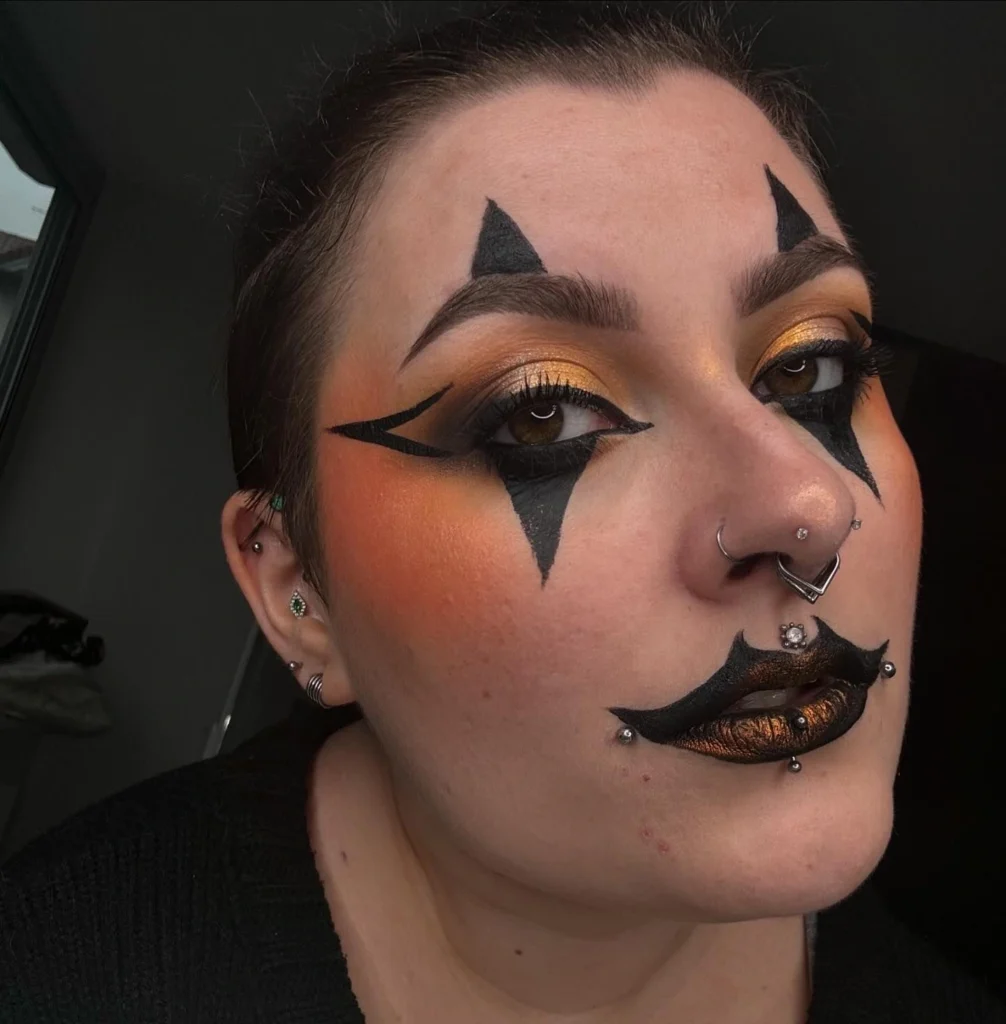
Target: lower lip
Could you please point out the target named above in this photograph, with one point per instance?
(754, 737)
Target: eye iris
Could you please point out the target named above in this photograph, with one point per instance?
(795, 377)
(537, 424)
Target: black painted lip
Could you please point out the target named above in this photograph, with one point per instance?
(747, 670)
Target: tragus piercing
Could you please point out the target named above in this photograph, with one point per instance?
(298, 605)
(626, 735)
(257, 547)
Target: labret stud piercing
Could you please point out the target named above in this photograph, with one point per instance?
(794, 765)
(298, 605)
(793, 636)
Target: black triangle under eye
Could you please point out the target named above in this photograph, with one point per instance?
(793, 223)
(502, 247)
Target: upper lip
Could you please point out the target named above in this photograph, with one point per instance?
(747, 670)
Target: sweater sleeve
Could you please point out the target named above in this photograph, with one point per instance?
(123, 914)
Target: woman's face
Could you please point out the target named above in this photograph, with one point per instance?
(494, 598)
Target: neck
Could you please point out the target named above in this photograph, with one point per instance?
(525, 955)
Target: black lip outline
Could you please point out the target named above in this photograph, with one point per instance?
(748, 669)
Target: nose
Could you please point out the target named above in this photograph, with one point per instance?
(772, 492)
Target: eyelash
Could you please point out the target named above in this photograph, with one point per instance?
(529, 462)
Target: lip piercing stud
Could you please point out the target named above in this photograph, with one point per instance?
(793, 636)
(298, 605)
(856, 523)
(794, 765)
(801, 533)
(888, 669)
(800, 722)
(626, 735)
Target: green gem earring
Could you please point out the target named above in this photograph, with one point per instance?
(276, 502)
(298, 605)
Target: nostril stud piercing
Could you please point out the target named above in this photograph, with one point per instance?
(626, 735)
(856, 523)
(801, 533)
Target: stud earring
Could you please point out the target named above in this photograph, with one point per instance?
(293, 666)
(298, 605)
(257, 547)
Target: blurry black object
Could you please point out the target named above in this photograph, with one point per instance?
(45, 667)
(942, 873)
(30, 623)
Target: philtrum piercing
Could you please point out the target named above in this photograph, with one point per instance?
(801, 533)
(794, 765)
(626, 735)
(887, 669)
(856, 523)
(792, 636)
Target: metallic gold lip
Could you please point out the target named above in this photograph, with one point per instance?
(773, 734)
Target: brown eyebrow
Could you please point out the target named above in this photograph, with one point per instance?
(782, 272)
(585, 303)
(571, 300)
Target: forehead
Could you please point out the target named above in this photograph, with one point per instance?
(663, 192)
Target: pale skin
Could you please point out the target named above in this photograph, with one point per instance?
(483, 808)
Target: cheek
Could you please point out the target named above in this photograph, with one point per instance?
(417, 553)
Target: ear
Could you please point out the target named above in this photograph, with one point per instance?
(268, 579)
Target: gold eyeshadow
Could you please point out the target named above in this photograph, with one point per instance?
(801, 335)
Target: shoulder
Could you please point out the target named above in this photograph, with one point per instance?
(141, 896)
(870, 967)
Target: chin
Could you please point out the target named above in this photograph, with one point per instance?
(809, 853)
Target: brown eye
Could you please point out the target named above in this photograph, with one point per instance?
(541, 423)
(801, 375)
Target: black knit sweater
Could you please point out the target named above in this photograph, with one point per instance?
(193, 897)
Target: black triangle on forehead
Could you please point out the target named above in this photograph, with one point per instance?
(793, 223)
(502, 247)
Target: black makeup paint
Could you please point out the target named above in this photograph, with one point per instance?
(793, 224)
(828, 417)
(829, 680)
(502, 247)
(376, 431)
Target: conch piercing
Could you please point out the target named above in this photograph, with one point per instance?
(257, 547)
(313, 690)
(793, 636)
(298, 605)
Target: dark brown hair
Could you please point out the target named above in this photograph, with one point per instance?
(295, 249)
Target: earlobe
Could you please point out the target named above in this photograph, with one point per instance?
(290, 613)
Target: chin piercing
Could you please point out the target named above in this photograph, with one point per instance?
(802, 532)
(887, 669)
(723, 551)
(794, 765)
(809, 590)
(313, 690)
(298, 605)
(856, 523)
(294, 666)
(257, 547)
(626, 735)
(800, 722)
(792, 636)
